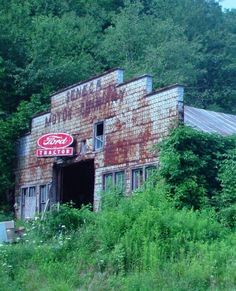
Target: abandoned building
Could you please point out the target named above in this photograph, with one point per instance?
(97, 133)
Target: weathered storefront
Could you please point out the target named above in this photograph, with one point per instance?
(98, 132)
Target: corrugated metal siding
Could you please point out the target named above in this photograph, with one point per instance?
(210, 121)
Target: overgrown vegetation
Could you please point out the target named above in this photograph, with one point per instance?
(155, 239)
(178, 235)
(47, 45)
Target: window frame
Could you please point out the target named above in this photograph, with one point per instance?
(33, 192)
(145, 177)
(28, 193)
(96, 138)
(23, 196)
(104, 186)
(42, 203)
(113, 175)
(133, 171)
(153, 168)
(83, 147)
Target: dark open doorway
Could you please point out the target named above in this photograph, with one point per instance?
(78, 183)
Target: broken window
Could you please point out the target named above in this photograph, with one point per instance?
(43, 196)
(98, 135)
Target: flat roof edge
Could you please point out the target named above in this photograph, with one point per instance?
(85, 81)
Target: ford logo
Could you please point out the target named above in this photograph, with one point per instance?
(55, 141)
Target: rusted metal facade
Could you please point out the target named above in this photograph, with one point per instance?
(134, 119)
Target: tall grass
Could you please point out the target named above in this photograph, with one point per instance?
(137, 243)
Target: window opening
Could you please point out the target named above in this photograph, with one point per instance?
(31, 191)
(43, 191)
(120, 180)
(114, 180)
(98, 135)
(83, 147)
(141, 174)
(149, 171)
(137, 178)
(24, 192)
(107, 181)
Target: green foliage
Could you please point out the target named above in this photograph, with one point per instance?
(11, 128)
(156, 46)
(51, 44)
(227, 174)
(190, 163)
(226, 199)
(60, 220)
(54, 44)
(5, 215)
(142, 242)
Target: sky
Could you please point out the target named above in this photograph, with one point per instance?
(228, 4)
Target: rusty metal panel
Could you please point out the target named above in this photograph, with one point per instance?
(210, 121)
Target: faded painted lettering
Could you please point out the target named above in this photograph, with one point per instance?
(60, 115)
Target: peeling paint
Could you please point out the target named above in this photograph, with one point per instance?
(135, 118)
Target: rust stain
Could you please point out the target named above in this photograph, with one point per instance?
(133, 121)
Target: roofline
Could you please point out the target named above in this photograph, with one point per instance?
(164, 89)
(40, 113)
(220, 112)
(134, 79)
(85, 81)
(25, 134)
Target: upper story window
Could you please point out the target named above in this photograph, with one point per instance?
(83, 147)
(98, 135)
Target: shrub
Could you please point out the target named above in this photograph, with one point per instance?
(60, 220)
(189, 163)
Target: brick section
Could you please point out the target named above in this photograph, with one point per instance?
(135, 119)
